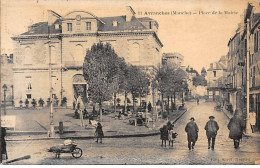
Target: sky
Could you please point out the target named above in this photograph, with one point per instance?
(200, 38)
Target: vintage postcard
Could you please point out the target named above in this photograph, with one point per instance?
(139, 82)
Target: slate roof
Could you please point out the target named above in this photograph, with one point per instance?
(134, 24)
(42, 28)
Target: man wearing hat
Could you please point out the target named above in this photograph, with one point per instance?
(192, 133)
(211, 128)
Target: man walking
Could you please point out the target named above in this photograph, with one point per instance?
(211, 128)
(236, 126)
(192, 133)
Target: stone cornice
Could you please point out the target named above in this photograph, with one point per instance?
(108, 33)
(35, 37)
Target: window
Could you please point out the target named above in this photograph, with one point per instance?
(135, 53)
(256, 41)
(215, 73)
(253, 80)
(29, 86)
(28, 96)
(88, 25)
(79, 53)
(69, 26)
(28, 55)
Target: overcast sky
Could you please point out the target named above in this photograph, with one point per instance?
(201, 39)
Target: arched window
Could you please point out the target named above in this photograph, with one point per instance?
(79, 79)
(27, 55)
(135, 53)
(54, 59)
(79, 53)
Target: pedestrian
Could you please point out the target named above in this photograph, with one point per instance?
(198, 101)
(164, 134)
(99, 132)
(192, 133)
(171, 135)
(252, 119)
(149, 107)
(236, 126)
(74, 105)
(3, 143)
(211, 128)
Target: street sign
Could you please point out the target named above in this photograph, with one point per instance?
(8, 121)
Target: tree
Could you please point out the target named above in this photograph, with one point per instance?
(199, 80)
(170, 80)
(132, 85)
(101, 70)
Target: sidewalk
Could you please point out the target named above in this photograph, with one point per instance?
(36, 124)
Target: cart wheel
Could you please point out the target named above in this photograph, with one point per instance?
(77, 153)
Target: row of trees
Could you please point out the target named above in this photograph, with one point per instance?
(108, 75)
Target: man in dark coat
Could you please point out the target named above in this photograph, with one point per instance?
(3, 143)
(192, 133)
(211, 128)
(164, 134)
(236, 126)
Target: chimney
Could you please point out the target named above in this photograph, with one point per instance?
(129, 13)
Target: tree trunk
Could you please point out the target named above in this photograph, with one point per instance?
(168, 110)
(174, 98)
(171, 103)
(162, 104)
(100, 111)
(115, 102)
(125, 102)
(134, 105)
(140, 101)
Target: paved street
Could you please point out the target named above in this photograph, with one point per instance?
(147, 150)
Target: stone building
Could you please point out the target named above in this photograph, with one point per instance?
(243, 45)
(254, 61)
(216, 78)
(134, 39)
(173, 59)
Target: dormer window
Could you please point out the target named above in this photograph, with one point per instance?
(57, 26)
(88, 25)
(69, 26)
(115, 23)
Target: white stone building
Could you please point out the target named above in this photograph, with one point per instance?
(71, 35)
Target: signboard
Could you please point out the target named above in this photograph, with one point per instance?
(8, 121)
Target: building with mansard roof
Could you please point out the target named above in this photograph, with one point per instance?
(134, 39)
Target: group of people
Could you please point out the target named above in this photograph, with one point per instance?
(236, 126)
(167, 133)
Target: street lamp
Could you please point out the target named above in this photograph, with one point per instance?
(12, 86)
(5, 89)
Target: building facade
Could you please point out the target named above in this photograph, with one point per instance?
(243, 65)
(173, 59)
(215, 78)
(254, 63)
(64, 45)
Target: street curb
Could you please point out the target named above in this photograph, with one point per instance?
(154, 133)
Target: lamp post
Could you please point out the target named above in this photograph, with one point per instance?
(12, 86)
(5, 89)
(52, 132)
